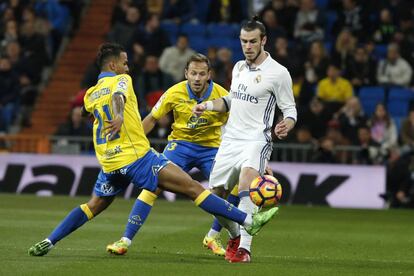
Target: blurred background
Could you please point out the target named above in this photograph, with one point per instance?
(351, 64)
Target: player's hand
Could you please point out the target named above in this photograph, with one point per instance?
(199, 109)
(281, 130)
(114, 126)
(268, 170)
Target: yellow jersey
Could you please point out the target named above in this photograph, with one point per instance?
(204, 130)
(338, 91)
(130, 143)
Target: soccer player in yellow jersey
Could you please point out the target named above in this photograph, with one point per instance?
(125, 155)
(194, 140)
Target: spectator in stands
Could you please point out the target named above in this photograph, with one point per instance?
(29, 76)
(119, 12)
(315, 117)
(309, 22)
(383, 129)
(273, 30)
(230, 11)
(399, 180)
(303, 136)
(33, 46)
(76, 126)
(122, 32)
(350, 117)
(316, 63)
(58, 18)
(394, 70)
(9, 93)
(386, 29)
(161, 131)
(155, 7)
(285, 13)
(303, 91)
(369, 153)
(151, 37)
(178, 11)
(223, 67)
(325, 152)
(361, 70)
(10, 34)
(334, 90)
(151, 84)
(405, 38)
(407, 133)
(90, 76)
(174, 59)
(285, 55)
(354, 18)
(344, 49)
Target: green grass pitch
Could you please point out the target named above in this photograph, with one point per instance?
(299, 241)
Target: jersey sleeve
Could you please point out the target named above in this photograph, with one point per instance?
(284, 96)
(124, 86)
(163, 106)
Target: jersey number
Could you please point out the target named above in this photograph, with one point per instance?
(99, 139)
(172, 146)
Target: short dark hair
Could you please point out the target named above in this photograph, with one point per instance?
(254, 24)
(106, 51)
(198, 58)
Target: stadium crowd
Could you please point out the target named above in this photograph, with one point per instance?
(351, 62)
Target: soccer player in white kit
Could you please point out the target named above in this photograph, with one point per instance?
(258, 84)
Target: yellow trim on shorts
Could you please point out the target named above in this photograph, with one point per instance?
(147, 197)
(87, 211)
(235, 190)
(201, 197)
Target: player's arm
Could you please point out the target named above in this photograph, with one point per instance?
(148, 123)
(118, 107)
(219, 105)
(84, 113)
(286, 104)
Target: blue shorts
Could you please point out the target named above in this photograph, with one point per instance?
(143, 174)
(188, 155)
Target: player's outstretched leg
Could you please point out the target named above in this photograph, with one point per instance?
(136, 219)
(76, 218)
(172, 178)
(212, 240)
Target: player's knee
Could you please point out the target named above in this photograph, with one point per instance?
(194, 189)
(98, 204)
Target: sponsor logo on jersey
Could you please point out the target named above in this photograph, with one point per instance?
(195, 122)
(245, 97)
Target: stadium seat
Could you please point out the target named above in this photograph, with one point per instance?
(372, 92)
(369, 105)
(380, 51)
(222, 30)
(330, 21)
(220, 42)
(398, 108)
(191, 29)
(171, 29)
(400, 94)
(322, 4)
(199, 44)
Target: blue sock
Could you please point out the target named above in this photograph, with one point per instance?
(76, 218)
(139, 213)
(233, 199)
(219, 207)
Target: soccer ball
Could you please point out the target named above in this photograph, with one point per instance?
(265, 191)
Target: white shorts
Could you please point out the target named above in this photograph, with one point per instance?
(232, 156)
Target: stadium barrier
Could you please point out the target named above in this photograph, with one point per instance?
(341, 186)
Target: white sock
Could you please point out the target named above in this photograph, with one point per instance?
(232, 227)
(51, 244)
(169, 196)
(212, 233)
(246, 205)
(126, 240)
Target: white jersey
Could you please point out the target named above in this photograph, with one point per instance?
(252, 99)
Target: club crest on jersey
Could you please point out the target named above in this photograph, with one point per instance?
(106, 188)
(258, 79)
